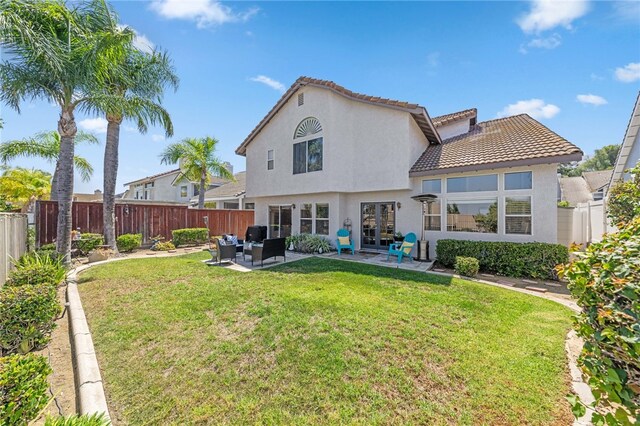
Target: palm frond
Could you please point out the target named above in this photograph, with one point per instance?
(84, 168)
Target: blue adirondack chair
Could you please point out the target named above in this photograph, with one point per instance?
(403, 250)
(343, 233)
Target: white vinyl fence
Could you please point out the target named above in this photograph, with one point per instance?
(584, 224)
(13, 241)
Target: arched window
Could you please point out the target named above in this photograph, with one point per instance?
(307, 153)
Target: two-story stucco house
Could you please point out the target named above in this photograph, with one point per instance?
(325, 158)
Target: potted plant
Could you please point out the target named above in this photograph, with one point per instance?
(398, 238)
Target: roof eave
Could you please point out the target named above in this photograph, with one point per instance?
(499, 165)
(627, 142)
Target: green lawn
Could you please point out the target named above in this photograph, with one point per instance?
(321, 342)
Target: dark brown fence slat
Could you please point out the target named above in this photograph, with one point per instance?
(150, 220)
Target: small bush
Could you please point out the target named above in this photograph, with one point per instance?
(467, 266)
(128, 242)
(23, 388)
(624, 199)
(96, 419)
(605, 280)
(89, 242)
(27, 315)
(186, 236)
(164, 246)
(309, 243)
(34, 268)
(533, 260)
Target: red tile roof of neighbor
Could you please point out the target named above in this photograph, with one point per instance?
(443, 120)
(418, 112)
(504, 142)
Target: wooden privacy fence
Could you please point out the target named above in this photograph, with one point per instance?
(150, 220)
(13, 241)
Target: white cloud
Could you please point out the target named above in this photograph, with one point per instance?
(627, 11)
(596, 77)
(274, 84)
(629, 73)
(140, 41)
(204, 12)
(591, 99)
(95, 125)
(536, 108)
(157, 137)
(548, 14)
(550, 42)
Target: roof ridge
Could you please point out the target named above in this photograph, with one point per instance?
(524, 114)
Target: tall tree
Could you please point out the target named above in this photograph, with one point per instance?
(198, 162)
(138, 84)
(46, 145)
(20, 186)
(58, 54)
(603, 159)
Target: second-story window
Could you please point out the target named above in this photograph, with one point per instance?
(307, 151)
(270, 159)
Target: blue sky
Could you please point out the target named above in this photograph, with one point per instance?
(574, 65)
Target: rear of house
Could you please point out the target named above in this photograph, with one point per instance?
(326, 158)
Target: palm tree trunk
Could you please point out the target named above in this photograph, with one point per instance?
(67, 129)
(203, 178)
(110, 176)
(54, 183)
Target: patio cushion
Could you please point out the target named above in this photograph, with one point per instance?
(344, 241)
(406, 247)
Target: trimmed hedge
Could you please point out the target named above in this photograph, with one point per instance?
(89, 242)
(533, 260)
(164, 246)
(605, 280)
(467, 266)
(181, 237)
(23, 388)
(128, 242)
(27, 317)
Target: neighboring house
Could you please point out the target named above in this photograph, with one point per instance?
(95, 197)
(325, 158)
(169, 186)
(230, 195)
(629, 154)
(591, 186)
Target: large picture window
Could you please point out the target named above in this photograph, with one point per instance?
(307, 156)
(519, 180)
(431, 186)
(473, 216)
(518, 215)
(306, 218)
(432, 216)
(473, 183)
(322, 219)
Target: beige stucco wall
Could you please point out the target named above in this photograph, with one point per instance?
(163, 190)
(365, 148)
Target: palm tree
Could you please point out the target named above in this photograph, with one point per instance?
(58, 55)
(22, 186)
(46, 145)
(198, 162)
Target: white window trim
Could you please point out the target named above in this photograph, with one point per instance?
(442, 220)
(498, 179)
(504, 181)
(273, 159)
(504, 214)
(313, 218)
(477, 196)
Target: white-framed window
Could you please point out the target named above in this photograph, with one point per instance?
(473, 215)
(473, 183)
(517, 217)
(270, 160)
(518, 180)
(307, 153)
(433, 216)
(249, 206)
(232, 205)
(432, 186)
(322, 218)
(306, 218)
(184, 191)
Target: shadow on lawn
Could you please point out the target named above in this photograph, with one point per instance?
(316, 265)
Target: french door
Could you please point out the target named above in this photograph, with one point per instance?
(279, 221)
(378, 225)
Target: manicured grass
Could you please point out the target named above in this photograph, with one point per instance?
(321, 341)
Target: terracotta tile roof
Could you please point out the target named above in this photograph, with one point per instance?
(442, 120)
(227, 190)
(504, 142)
(597, 180)
(419, 113)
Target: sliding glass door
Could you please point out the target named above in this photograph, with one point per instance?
(279, 221)
(378, 225)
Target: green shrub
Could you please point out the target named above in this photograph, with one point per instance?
(23, 388)
(309, 243)
(48, 247)
(34, 268)
(533, 260)
(27, 315)
(128, 242)
(605, 280)
(624, 199)
(467, 266)
(96, 419)
(564, 203)
(164, 246)
(89, 242)
(186, 236)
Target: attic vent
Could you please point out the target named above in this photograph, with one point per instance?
(308, 126)
(300, 99)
